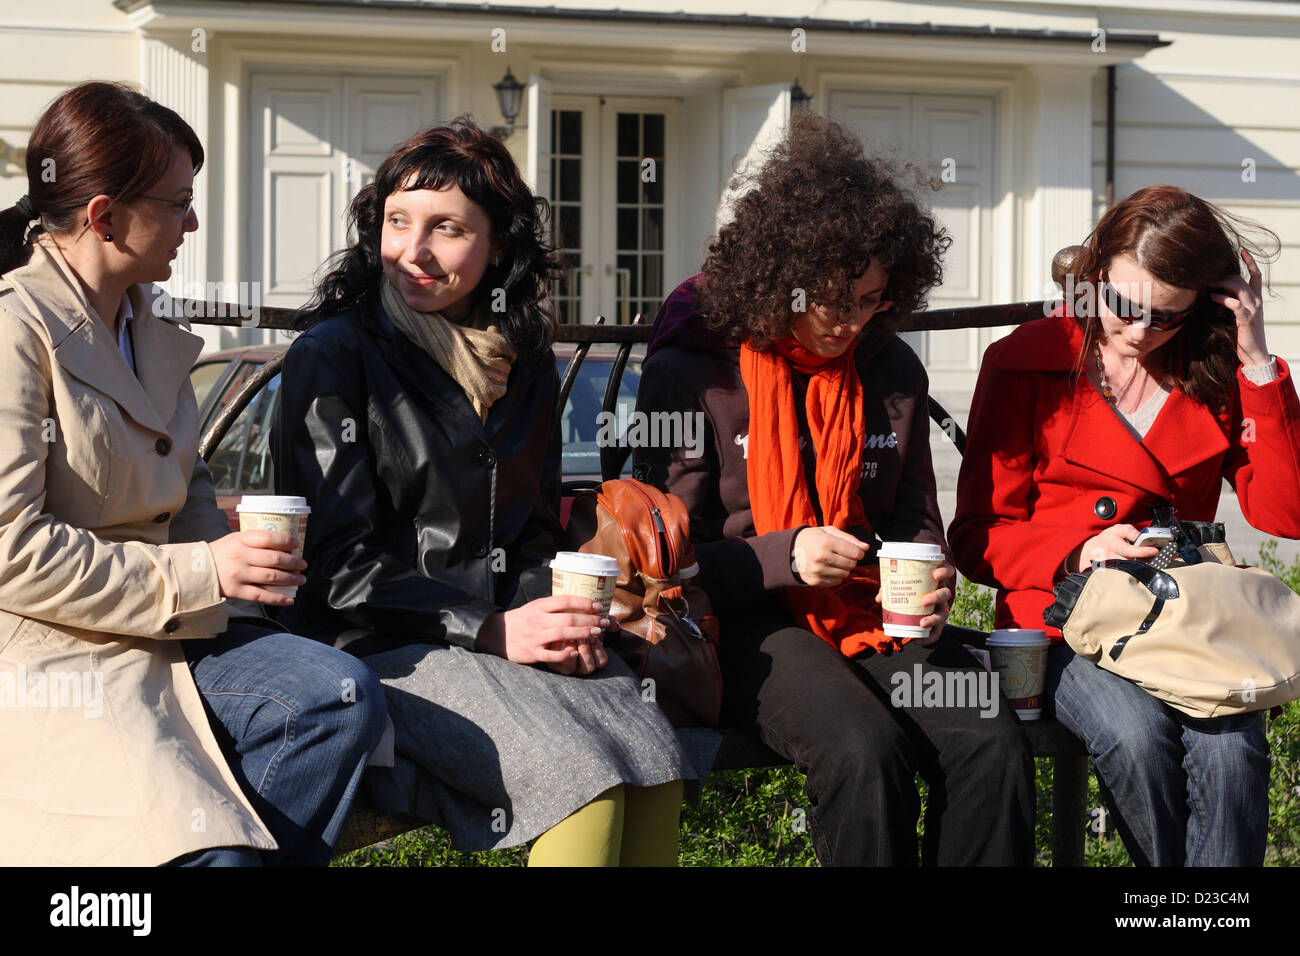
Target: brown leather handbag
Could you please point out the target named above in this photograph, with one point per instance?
(667, 632)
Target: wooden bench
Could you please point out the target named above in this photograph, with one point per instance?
(740, 750)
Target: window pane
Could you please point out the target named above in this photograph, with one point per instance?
(653, 275)
(654, 190)
(626, 238)
(629, 142)
(629, 283)
(628, 178)
(570, 180)
(652, 234)
(570, 138)
(654, 135)
(570, 219)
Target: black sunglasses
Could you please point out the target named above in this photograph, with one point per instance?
(1126, 311)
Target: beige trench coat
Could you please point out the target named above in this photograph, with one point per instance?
(106, 755)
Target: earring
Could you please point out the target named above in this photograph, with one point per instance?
(108, 237)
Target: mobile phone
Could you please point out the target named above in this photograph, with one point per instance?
(1154, 537)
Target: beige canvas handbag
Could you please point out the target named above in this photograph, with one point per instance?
(1211, 639)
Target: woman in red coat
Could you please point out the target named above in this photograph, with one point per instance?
(1150, 386)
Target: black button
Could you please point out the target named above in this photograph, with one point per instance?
(172, 626)
(480, 551)
(162, 518)
(487, 459)
(163, 446)
(1105, 507)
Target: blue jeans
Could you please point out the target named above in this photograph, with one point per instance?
(296, 720)
(1183, 791)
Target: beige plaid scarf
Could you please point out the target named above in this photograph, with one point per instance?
(476, 354)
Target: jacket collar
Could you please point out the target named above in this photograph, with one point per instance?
(85, 347)
(1097, 437)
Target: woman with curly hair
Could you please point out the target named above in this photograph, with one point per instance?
(419, 422)
(817, 448)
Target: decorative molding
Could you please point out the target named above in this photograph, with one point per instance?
(178, 78)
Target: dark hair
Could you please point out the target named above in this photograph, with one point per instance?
(1188, 243)
(458, 153)
(95, 139)
(817, 214)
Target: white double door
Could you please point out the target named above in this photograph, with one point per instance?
(314, 140)
(609, 167)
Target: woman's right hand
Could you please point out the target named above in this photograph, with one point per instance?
(824, 557)
(1113, 544)
(249, 562)
(536, 632)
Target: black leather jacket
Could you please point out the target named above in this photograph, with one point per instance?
(424, 520)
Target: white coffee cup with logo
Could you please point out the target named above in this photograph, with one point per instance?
(284, 513)
(907, 575)
(585, 575)
(1019, 655)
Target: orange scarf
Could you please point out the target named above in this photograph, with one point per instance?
(846, 616)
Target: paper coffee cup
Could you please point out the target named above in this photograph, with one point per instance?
(586, 575)
(906, 576)
(1019, 655)
(283, 513)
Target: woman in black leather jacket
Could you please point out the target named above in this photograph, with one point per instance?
(418, 419)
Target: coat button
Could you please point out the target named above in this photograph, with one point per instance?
(480, 551)
(162, 518)
(1105, 507)
(163, 447)
(487, 459)
(172, 626)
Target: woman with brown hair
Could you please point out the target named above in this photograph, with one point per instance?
(419, 421)
(816, 448)
(1148, 388)
(202, 733)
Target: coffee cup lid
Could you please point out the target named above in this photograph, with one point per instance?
(578, 562)
(1017, 637)
(274, 504)
(911, 551)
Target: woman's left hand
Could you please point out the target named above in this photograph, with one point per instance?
(940, 599)
(1247, 303)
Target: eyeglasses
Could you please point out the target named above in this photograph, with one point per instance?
(1126, 311)
(183, 206)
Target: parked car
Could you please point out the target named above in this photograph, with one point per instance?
(241, 464)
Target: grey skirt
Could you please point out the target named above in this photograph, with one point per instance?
(496, 752)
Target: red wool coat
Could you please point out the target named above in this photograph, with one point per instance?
(1045, 449)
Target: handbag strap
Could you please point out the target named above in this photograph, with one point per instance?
(1160, 583)
(1162, 586)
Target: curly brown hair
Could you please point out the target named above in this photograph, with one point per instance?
(816, 214)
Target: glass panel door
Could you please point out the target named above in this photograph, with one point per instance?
(611, 170)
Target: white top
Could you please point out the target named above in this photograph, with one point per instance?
(1140, 420)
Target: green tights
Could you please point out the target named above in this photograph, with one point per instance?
(624, 826)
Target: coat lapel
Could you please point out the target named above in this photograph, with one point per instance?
(164, 350)
(1168, 438)
(82, 343)
(1099, 442)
